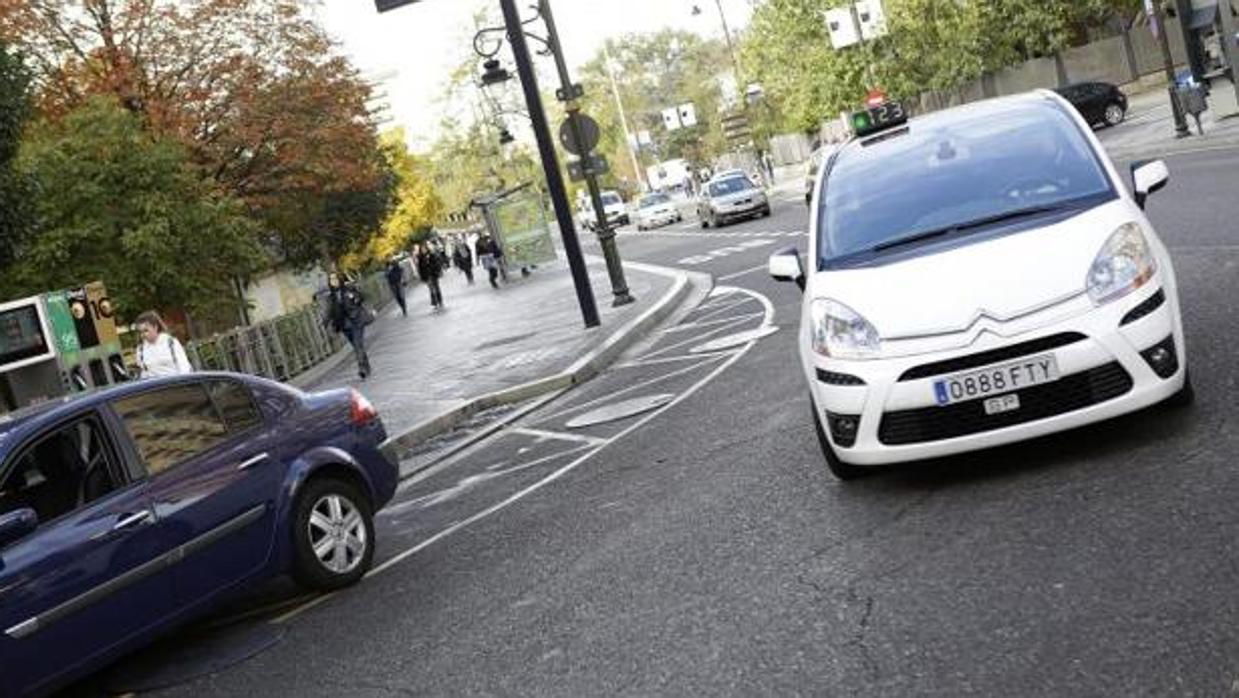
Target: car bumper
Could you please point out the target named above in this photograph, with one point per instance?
(1102, 375)
(743, 211)
(657, 220)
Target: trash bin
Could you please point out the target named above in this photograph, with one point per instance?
(1192, 101)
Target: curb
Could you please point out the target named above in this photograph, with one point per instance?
(1196, 144)
(581, 370)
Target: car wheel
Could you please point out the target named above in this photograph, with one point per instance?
(1186, 395)
(766, 212)
(333, 535)
(841, 470)
(1114, 114)
(705, 222)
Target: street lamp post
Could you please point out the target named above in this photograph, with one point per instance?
(569, 94)
(546, 149)
(1180, 121)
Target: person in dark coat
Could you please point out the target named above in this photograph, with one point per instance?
(430, 268)
(346, 314)
(490, 257)
(463, 259)
(395, 282)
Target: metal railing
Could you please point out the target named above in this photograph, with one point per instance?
(280, 348)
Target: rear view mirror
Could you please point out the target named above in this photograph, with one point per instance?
(785, 265)
(1148, 177)
(16, 525)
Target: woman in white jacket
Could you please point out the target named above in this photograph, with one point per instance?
(159, 353)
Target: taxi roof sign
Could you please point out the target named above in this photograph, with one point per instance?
(884, 116)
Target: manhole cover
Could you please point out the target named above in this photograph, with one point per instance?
(190, 655)
(619, 410)
(734, 340)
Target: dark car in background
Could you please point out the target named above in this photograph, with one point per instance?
(128, 511)
(1098, 102)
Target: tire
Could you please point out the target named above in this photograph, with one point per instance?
(308, 569)
(841, 470)
(766, 212)
(1186, 395)
(705, 222)
(1114, 114)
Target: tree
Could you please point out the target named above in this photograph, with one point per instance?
(16, 192)
(656, 71)
(117, 204)
(254, 89)
(416, 206)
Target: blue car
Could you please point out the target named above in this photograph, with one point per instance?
(128, 511)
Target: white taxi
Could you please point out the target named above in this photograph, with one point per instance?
(980, 276)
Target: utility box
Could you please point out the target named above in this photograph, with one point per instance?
(58, 343)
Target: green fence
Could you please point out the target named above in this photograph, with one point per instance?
(283, 347)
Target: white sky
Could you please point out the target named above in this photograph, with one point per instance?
(417, 46)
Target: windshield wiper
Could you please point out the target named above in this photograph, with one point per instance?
(970, 225)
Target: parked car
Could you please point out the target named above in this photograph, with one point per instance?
(612, 205)
(1097, 102)
(730, 197)
(656, 209)
(128, 511)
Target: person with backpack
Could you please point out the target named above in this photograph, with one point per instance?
(490, 257)
(463, 258)
(158, 352)
(347, 314)
(430, 268)
(395, 282)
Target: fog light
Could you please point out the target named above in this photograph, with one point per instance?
(1162, 358)
(843, 428)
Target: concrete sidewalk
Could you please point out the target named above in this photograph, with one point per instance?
(1149, 131)
(431, 367)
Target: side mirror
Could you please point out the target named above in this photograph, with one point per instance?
(785, 265)
(16, 525)
(1147, 176)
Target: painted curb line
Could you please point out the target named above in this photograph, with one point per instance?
(581, 370)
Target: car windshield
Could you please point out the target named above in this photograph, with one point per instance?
(955, 171)
(611, 199)
(731, 185)
(654, 200)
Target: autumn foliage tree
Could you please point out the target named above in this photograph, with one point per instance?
(254, 89)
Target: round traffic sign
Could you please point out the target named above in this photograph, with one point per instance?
(590, 134)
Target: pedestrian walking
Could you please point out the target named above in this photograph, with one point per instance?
(489, 257)
(347, 314)
(159, 353)
(768, 165)
(430, 268)
(395, 282)
(463, 259)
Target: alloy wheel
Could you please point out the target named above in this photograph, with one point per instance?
(337, 533)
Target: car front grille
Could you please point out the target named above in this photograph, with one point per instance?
(1069, 393)
(993, 356)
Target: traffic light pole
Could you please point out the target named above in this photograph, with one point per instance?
(569, 94)
(550, 163)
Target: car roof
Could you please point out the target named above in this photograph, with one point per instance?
(14, 425)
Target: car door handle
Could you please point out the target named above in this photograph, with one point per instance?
(252, 461)
(134, 520)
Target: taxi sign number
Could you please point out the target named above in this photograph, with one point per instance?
(879, 118)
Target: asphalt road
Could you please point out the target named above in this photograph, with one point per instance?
(702, 548)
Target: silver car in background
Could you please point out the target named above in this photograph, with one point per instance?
(730, 197)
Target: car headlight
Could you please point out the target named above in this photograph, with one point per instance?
(1124, 264)
(841, 333)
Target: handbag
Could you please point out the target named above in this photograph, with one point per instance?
(368, 316)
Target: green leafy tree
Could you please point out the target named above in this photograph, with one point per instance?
(119, 205)
(16, 191)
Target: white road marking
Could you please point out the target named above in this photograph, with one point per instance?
(734, 275)
(557, 435)
(735, 356)
(695, 325)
